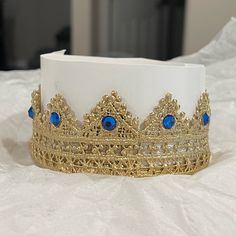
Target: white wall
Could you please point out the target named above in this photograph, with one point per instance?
(81, 26)
(204, 18)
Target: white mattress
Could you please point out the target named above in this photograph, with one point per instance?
(35, 201)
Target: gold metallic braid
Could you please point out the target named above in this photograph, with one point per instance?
(130, 149)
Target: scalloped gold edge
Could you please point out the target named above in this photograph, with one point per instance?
(131, 150)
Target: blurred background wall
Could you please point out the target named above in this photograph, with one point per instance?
(128, 28)
(31, 27)
(204, 19)
(201, 20)
(157, 29)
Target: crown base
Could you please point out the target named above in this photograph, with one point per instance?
(159, 145)
(129, 166)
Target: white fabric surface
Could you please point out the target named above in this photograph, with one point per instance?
(35, 201)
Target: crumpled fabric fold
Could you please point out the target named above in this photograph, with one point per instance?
(35, 201)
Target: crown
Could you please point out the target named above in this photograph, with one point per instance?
(111, 141)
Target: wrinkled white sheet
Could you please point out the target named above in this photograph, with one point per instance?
(35, 201)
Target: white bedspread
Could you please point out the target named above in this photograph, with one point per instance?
(35, 201)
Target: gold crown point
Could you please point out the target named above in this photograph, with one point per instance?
(105, 97)
(115, 95)
(49, 106)
(86, 117)
(168, 97)
(182, 114)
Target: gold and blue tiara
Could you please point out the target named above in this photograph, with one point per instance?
(111, 141)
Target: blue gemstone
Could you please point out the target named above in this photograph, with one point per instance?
(31, 113)
(168, 121)
(205, 118)
(108, 123)
(55, 118)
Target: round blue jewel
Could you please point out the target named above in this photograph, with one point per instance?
(55, 118)
(168, 121)
(205, 118)
(109, 123)
(31, 113)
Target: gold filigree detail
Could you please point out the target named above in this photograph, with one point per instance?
(131, 149)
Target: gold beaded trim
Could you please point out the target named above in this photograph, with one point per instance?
(130, 149)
